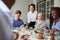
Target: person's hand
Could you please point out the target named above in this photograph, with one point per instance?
(27, 23)
(24, 37)
(15, 35)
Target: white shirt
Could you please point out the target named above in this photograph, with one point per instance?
(6, 11)
(31, 16)
(5, 23)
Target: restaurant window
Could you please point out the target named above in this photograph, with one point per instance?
(44, 6)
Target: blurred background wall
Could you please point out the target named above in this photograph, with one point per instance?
(43, 6)
(23, 6)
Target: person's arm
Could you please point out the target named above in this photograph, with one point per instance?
(22, 22)
(28, 17)
(15, 35)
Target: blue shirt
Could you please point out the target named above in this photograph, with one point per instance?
(17, 23)
(57, 25)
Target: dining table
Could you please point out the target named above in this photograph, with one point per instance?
(30, 33)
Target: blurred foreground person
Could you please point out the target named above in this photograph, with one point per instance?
(6, 20)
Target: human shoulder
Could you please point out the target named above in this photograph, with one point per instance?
(35, 12)
(29, 12)
(45, 23)
(21, 20)
(3, 7)
(58, 22)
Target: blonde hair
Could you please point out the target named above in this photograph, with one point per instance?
(41, 14)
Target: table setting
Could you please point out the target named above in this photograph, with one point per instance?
(32, 34)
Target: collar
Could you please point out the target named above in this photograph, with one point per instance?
(31, 12)
(56, 21)
(3, 7)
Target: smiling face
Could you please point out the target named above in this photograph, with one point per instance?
(17, 16)
(40, 16)
(54, 14)
(32, 8)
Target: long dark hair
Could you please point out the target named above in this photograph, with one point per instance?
(31, 5)
(57, 9)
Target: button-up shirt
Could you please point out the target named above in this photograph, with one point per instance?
(32, 16)
(5, 23)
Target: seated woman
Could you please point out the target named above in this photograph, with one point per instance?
(40, 21)
(17, 22)
(40, 24)
(55, 13)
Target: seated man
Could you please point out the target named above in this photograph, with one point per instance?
(55, 12)
(17, 22)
